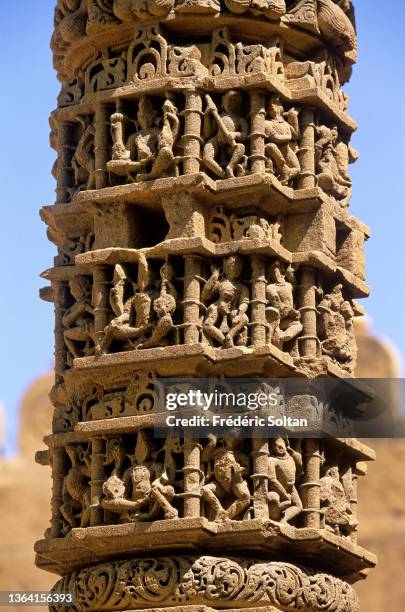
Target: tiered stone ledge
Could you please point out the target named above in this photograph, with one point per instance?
(84, 546)
(291, 90)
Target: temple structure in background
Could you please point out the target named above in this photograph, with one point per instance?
(203, 230)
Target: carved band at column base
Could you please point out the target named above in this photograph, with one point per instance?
(207, 582)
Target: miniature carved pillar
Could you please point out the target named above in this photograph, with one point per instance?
(59, 295)
(101, 145)
(307, 150)
(260, 476)
(308, 340)
(192, 132)
(100, 301)
(191, 302)
(58, 465)
(97, 479)
(257, 122)
(258, 303)
(66, 149)
(310, 488)
(192, 477)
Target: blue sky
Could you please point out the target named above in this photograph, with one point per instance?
(29, 93)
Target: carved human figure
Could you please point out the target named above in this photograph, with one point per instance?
(332, 158)
(150, 151)
(78, 320)
(226, 320)
(75, 508)
(168, 139)
(285, 470)
(283, 320)
(83, 160)
(147, 487)
(281, 135)
(133, 315)
(226, 467)
(336, 513)
(145, 318)
(226, 132)
(336, 327)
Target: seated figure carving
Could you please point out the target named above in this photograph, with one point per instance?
(226, 468)
(225, 133)
(226, 320)
(150, 152)
(283, 320)
(146, 488)
(78, 321)
(281, 136)
(285, 470)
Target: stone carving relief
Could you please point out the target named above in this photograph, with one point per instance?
(146, 489)
(106, 71)
(132, 10)
(225, 134)
(205, 580)
(337, 515)
(78, 320)
(283, 320)
(83, 160)
(69, 245)
(282, 134)
(227, 298)
(332, 159)
(75, 508)
(272, 9)
(153, 149)
(226, 469)
(336, 328)
(228, 58)
(226, 227)
(144, 319)
(285, 473)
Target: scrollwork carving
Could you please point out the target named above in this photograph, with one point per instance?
(206, 580)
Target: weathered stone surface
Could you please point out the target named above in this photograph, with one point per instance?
(203, 229)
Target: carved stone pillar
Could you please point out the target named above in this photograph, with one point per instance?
(191, 302)
(260, 457)
(310, 488)
(192, 478)
(257, 122)
(307, 150)
(308, 340)
(97, 480)
(101, 283)
(59, 296)
(58, 466)
(192, 132)
(258, 303)
(66, 148)
(204, 211)
(101, 144)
